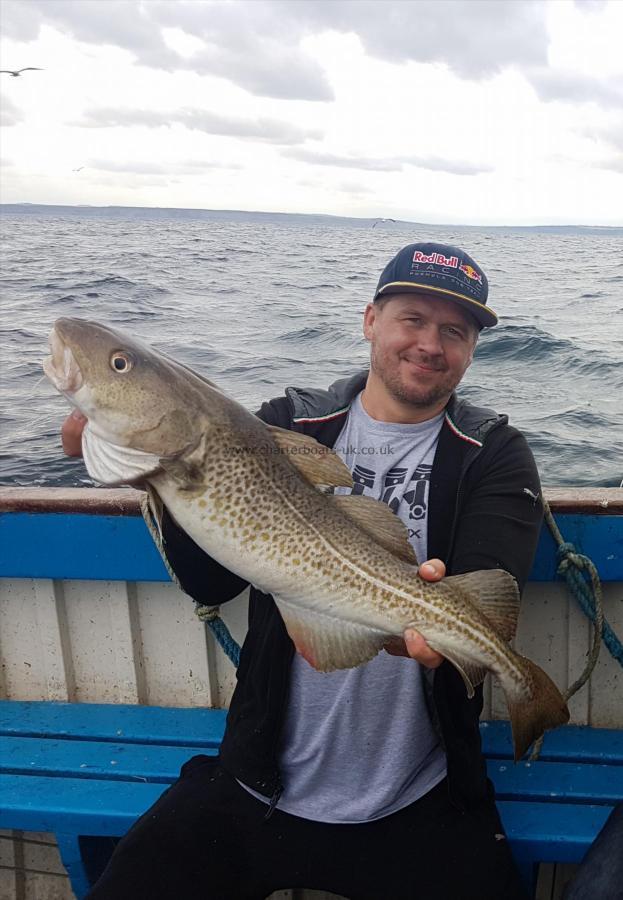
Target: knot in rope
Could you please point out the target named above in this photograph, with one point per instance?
(230, 647)
(565, 552)
(207, 613)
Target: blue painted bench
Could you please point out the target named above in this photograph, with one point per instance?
(85, 770)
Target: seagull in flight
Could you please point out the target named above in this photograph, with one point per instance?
(16, 72)
(78, 170)
(382, 220)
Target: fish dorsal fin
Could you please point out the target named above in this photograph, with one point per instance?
(495, 593)
(317, 463)
(110, 464)
(328, 642)
(378, 520)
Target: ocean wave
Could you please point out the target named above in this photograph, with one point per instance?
(231, 307)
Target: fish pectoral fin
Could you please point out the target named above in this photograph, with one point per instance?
(111, 464)
(378, 520)
(315, 462)
(329, 643)
(495, 593)
(187, 468)
(471, 672)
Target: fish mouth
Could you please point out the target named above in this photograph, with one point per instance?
(61, 367)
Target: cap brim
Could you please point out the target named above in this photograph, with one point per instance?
(485, 316)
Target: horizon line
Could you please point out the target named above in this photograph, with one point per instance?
(312, 214)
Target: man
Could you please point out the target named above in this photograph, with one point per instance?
(366, 782)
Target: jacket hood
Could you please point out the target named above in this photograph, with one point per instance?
(467, 421)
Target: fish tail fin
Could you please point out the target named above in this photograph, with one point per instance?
(545, 709)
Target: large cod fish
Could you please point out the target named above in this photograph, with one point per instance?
(340, 568)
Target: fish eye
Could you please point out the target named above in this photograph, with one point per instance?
(121, 362)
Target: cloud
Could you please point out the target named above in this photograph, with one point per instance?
(119, 23)
(614, 164)
(395, 164)
(474, 39)
(270, 131)
(453, 167)
(257, 43)
(253, 44)
(318, 158)
(137, 167)
(612, 134)
(9, 113)
(590, 6)
(575, 88)
(353, 187)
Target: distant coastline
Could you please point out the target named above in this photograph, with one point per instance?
(232, 215)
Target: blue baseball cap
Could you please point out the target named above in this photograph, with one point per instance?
(439, 269)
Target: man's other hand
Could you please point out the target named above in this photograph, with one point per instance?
(413, 644)
(71, 433)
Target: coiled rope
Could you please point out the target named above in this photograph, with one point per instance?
(583, 582)
(151, 509)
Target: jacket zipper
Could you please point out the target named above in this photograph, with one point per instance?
(274, 800)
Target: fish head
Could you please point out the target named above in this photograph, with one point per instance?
(132, 395)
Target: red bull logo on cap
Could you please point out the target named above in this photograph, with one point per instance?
(437, 259)
(471, 272)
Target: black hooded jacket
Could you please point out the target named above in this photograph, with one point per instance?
(484, 512)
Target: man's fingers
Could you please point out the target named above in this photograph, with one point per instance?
(71, 433)
(432, 570)
(418, 649)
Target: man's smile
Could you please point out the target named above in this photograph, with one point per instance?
(421, 366)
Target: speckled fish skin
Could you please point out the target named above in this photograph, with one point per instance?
(243, 500)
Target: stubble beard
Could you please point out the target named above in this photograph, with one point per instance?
(410, 395)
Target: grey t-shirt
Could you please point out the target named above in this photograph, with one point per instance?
(358, 744)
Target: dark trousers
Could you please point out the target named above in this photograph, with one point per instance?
(207, 837)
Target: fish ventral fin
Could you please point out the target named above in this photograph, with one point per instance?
(317, 463)
(471, 672)
(377, 519)
(111, 464)
(495, 593)
(327, 642)
(546, 708)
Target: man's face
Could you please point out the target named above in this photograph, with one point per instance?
(421, 346)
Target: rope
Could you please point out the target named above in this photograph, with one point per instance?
(210, 615)
(151, 509)
(579, 586)
(573, 567)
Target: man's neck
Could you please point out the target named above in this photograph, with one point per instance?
(382, 406)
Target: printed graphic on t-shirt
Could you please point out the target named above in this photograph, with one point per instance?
(417, 495)
(362, 478)
(393, 493)
(407, 500)
(393, 479)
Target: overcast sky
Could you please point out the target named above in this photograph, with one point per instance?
(454, 111)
